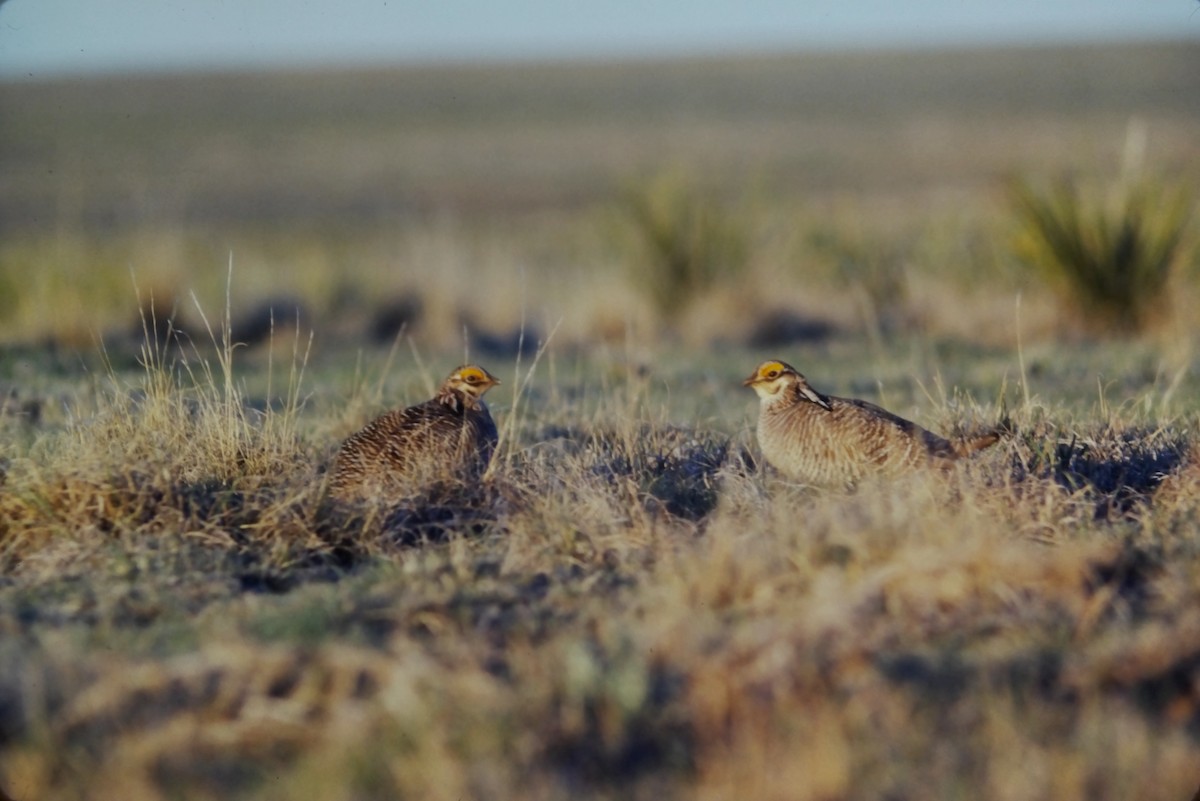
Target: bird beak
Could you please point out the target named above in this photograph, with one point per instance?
(751, 381)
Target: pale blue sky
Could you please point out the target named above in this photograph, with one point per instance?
(47, 37)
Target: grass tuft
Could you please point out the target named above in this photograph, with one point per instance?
(683, 242)
(1110, 256)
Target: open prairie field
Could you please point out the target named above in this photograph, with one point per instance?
(208, 282)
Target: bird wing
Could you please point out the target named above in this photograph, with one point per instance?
(880, 417)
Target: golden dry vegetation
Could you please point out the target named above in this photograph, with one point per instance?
(632, 606)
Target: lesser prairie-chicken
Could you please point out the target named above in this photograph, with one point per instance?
(826, 440)
(449, 438)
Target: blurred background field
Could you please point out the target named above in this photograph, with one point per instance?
(642, 610)
(865, 189)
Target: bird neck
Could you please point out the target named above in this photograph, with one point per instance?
(784, 397)
(800, 392)
(458, 402)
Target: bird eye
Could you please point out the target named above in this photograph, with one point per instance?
(772, 373)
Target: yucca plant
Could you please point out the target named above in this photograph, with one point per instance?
(683, 241)
(1110, 255)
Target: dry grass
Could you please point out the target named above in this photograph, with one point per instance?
(634, 610)
(631, 607)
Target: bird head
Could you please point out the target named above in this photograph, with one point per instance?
(772, 379)
(471, 381)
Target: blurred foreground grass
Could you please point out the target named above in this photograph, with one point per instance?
(635, 609)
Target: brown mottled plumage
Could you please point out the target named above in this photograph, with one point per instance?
(448, 438)
(826, 440)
